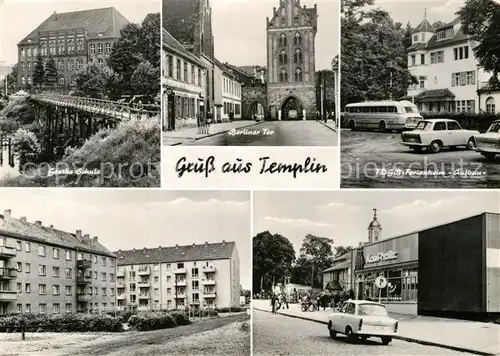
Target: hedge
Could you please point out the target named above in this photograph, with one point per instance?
(229, 310)
(60, 323)
(157, 320)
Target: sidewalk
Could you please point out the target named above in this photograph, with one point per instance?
(190, 134)
(330, 124)
(460, 335)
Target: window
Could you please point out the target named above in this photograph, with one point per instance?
(79, 64)
(27, 247)
(452, 125)
(55, 271)
(67, 255)
(283, 76)
(23, 66)
(297, 57)
(61, 80)
(103, 276)
(61, 47)
(490, 105)
(19, 266)
(471, 105)
(461, 53)
(297, 39)
(22, 52)
(112, 277)
(471, 78)
(68, 307)
(27, 288)
(28, 308)
(30, 80)
(79, 45)
(100, 62)
(178, 70)
(108, 47)
(68, 290)
(283, 58)
(41, 289)
(104, 291)
(43, 49)
(42, 270)
(413, 59)
(440, 126)
(92, 48)
(104, 261)
(186, 78)
(52, 47)
(35, 51)
(298, 75)
(41, 250)
(71, 65)
(415, 38)
(350, 309)
(71, 46)
(422, 59)
(455, 79)
(19, 245)
(195, 285)
(283, 41)
(28, 267)
(100, 48)
(19, 308)
(29, 66)
(23, 80)
(170, 66)
(19, 287)
(199, 77)
(42, 308)
(55, 289)
(68, 273)
(95, 258)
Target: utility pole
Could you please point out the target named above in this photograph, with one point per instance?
(322, 95)
(390, 87)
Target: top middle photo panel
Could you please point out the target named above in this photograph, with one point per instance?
(250, 73)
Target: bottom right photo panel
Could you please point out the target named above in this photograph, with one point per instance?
(376, 273)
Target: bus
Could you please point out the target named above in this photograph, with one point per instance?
(382, 115)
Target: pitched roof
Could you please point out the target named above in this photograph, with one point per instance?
(425, 26)
(106, 21)
(212, 251)
(170, 42)
(44, 234)
(338, 266)
(458, 37)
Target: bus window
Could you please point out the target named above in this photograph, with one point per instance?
(382, 109)
(373, 109)
(410, 109)
(391, 109)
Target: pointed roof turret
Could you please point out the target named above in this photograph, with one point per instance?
(425, 26)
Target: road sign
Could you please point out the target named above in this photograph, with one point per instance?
(380, 282)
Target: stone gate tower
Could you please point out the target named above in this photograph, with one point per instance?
(291, 34)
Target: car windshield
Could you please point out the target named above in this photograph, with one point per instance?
(424, 125)
(410, 109)
(372, 309)
(495, 127)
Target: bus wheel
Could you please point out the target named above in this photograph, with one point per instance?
(352, 125)
(382, 126)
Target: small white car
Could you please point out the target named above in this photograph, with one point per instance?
(363, 319)
(434, 134)
(488, 144)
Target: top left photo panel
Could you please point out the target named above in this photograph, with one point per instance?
(80, 93)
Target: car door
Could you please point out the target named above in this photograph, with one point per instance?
(440, 133)
(456, 134)
(349, 317)
(339, 325)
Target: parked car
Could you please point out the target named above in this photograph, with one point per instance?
(362, 319)
(434, 134)
(488, 144)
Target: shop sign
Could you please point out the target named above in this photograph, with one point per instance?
(389, 255)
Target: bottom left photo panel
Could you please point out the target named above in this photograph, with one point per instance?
(125, 272)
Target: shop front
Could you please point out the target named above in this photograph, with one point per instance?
(396, 259)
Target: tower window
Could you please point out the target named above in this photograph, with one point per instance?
(283, 58)
(283, 40)
(283, 76)
(298, 75)
(297, 57)
(297, 40)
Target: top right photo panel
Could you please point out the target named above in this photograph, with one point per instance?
(420, 94)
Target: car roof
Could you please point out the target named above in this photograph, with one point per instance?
(438, 119)
(357, 301)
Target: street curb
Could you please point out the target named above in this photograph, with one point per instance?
(404, 338)
(193, 139)
(322, 123)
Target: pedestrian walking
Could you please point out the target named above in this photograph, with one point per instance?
(284, 301)
(208, 122)
(198, 122)
(273, 303)
(231, 116)
(318, 116)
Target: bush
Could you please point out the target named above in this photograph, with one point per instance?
(471, 121)
(230, 310)
(26, 146)
(60, 323)
(154, 321)
(180, 318)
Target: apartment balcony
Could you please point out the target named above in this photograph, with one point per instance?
(121, 296)
(180, 296)
(209, 295)
(8, 273)
(144, 283)
(120, 273)
(84, 297)
(8, 252)
(83, 280)
(7, 296)
(180, 271)
(208, 282)
(120, 284)
(181, 283)
(144, 271)
(144, 295)
(83, 264)
(208, 269)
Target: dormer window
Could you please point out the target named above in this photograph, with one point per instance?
(423, 36)
(415, 38)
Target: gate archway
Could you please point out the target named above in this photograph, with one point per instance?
(292, 109)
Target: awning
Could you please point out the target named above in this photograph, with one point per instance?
(333, 285)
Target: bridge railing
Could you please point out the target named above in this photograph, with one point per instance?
(118, 110)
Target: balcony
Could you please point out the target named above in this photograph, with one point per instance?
(83, 279)
(209, 295)
(84, 297)
(83, 264)
(180, 296)
(8, 273)
(180, 271)
(181, 283)
(209, 282)
(144, 296)
(144, 271)
(120, 284)
(7, 296)
(121, 296)
(208, 269)
(8, 252)
(120, 273)
(144, 283)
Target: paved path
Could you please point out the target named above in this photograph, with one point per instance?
(275, 133)
(280, 335)
(482, 338)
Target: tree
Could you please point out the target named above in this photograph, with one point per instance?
(151, 39)
(39, 72)
(93, 81)
(407, 35)
(481, 22)
(50, 77)
(340, 250)
(11, 80)
(145, 79)
(373, 51)
(315, 256)
(273, 256)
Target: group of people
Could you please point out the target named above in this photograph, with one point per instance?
(204, 122)
(278, 300)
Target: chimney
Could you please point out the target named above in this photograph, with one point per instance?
(176, 247)
(6, 214)
(96, 238)
(78, 234)
(86, 236)
(51, 226)
(38, 223)
(144, 249)
(274, 10)
(23, 219)
(206, 243)
(120, 251)
(159, 247)
(194, 244)
(223, 242)
(133, 249)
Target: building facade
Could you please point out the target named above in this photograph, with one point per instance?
(184, 85)
(196, 276)
(449, 76)
(48, 271)
(73, 39)
(227, 92)
(291, 34)
(340, 277)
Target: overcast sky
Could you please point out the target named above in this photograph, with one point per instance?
(345, 216)
(239, 28)
(19, 17)
(126, 219)
(414, 11)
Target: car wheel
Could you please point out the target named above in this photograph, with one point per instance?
(303, 307)
(386, 340)
(382, 126)
(333, 333)
(311, 307)
(489, 155)
(352, 125)
(351, 337)
(471, 144)
(435, 146)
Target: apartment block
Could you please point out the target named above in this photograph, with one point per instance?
(48, 271)
(204, 276)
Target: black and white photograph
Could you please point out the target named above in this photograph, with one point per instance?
(250, 73)
(124, 272)
(80, 100)
(420, 94)
(376, 273)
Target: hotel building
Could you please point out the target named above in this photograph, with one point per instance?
(73, 39)
(48, 271)
(204, 276)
